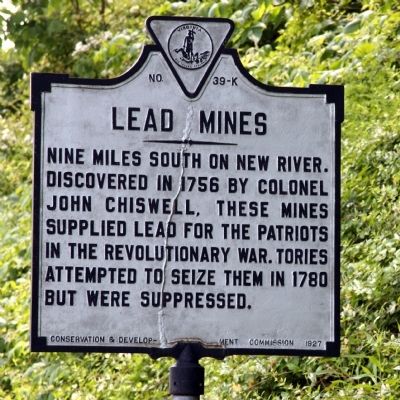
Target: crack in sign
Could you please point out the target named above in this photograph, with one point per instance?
(185, 144)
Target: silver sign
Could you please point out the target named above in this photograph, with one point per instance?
(185, 202)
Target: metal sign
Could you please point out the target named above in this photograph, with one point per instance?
(185, 202)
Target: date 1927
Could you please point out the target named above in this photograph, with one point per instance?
(313, 343)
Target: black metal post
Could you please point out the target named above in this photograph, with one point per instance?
(186, 378)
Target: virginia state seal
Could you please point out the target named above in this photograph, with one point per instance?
(190, 46)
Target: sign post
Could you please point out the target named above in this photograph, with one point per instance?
(185, 209)
(186, 380)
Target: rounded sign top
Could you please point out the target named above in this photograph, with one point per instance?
(190, 46)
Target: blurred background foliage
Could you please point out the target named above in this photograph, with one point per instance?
(287, 43)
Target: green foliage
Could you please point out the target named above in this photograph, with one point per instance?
(350, 42)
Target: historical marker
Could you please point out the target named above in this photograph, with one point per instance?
(186, 202)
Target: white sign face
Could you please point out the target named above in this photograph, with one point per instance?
(185, 202)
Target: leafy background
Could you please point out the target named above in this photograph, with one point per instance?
(287, 43)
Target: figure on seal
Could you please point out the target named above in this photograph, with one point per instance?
(187, 49)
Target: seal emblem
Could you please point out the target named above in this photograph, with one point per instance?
(190, 46)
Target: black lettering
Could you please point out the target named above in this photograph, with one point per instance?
(167, 120)
(114, 120)
(207, 125)
(150, 122)
(132, 118)
(261, 123)
(107, 298)
(244, 122)
(56, 155)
